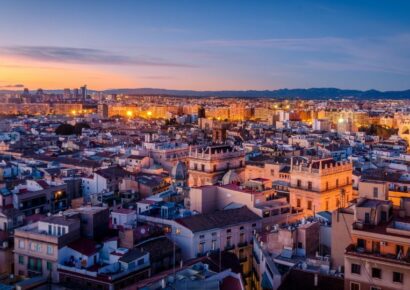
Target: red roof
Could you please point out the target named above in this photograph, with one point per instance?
(230, 283)
(123, 210)
(84, 246)
(43, 184)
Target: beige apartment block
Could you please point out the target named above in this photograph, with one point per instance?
(320, 184)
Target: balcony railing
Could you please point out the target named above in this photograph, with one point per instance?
(392, 258)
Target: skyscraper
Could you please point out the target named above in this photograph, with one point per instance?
(83, 92)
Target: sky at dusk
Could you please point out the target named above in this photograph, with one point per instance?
(205, 45)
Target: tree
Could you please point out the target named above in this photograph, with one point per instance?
(378, 130)
(65, 129)
(78, 128)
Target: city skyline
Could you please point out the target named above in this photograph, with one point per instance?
(205, 46)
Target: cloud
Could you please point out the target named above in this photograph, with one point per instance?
(85, 56)
(283, 43)
(13, 86)
(388, 54)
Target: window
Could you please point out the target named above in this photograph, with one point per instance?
(337, 182)
(361, 243)
(202, 236)
(49, 230)
(299, 183)
(376, 273)
(347, 180)
(327, 185)
(397, 277)
(300, 245)
(228, 241)
(35, 247)
(298, 202)
(228, 230)
(242, 238)
(375, 288)
(21, 244)
(375, 192)
(354, 286)
(355, 269)
(310, 185)
(49, 250)
(201, 247)
(309, 205)
(399, 250)
(213, 247)
(49, 266)
(21, 260)
(214, 167)
(202, 167)
(376, 247)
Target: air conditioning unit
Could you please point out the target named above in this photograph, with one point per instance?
(383, 243)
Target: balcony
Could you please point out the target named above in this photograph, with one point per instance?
(353, 250)
(229, 247)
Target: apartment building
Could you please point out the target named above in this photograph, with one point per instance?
(320, 184)
(379, 254)
(40, 196)
(206, 166)
(227, 230)
(36, 245)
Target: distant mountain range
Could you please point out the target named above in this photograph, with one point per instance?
(312, 93)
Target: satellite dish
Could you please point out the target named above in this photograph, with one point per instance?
(143, 231)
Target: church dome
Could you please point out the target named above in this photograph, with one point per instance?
(179, 171)
(230, 177)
